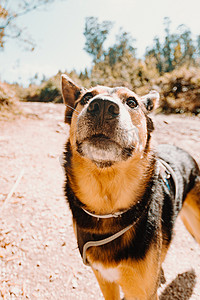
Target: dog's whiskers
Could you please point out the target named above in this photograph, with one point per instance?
(73, 109)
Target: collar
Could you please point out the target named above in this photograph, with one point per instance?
(106, 216)
(165, 171)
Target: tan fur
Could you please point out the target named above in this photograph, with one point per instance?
(105, 190)
(138, 280)
(190, 213)
(110, 290)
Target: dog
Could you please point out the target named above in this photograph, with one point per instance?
(124, 194)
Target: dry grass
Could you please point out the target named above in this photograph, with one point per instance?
(9, 102)
(48, 91)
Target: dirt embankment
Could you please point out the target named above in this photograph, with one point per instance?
(38, 252)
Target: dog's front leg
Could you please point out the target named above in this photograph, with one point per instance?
(109, 289)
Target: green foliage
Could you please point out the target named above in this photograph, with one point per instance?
(178, 49)
(128, 71)
(124, 43)
(180, 91)
(48, 91)
(172, 67)
(198, 45)
(96, 34)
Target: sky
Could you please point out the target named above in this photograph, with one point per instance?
(57, 30)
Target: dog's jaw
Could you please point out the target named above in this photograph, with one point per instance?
(101, 156)
(103, 151)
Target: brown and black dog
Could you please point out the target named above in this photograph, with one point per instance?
(124, 195)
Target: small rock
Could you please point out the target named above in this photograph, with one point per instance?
(74, 283)
(15, 290)
(38, 264)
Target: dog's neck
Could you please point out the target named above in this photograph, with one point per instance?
(112, 189)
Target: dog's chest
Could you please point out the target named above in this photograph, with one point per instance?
(110, 274)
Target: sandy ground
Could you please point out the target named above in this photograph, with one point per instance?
(38, 252)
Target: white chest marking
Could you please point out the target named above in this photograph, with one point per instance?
(110, 274)
(98, 154)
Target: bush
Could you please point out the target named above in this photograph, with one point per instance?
(48, 91)
(9, 102)
(6, 95)
(180, 91)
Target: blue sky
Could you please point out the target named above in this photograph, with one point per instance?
(58, 32)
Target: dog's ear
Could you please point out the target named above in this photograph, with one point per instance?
(70, 92)
(151, 100)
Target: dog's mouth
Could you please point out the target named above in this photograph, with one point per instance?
(102, 150)
(101, 140)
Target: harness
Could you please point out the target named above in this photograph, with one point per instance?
(166, 173)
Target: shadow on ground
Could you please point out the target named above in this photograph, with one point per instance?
(181, 287)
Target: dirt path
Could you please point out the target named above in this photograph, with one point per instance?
(38, 252)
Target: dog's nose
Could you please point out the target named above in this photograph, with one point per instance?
(105, 108)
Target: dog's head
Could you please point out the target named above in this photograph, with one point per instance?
(108, 125)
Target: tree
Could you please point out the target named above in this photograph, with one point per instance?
(177, 49)
(168, 46)
(96, 34)
(156, 53)
(198, 44)
(187, 44)
(124, 43)
(177, 54)
(10, 12)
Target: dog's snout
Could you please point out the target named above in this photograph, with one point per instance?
(104, 108)
(95, 107)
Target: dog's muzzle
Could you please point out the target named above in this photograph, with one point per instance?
(105, 133)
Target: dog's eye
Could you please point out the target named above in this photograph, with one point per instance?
(86, 98)
(132, 102)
